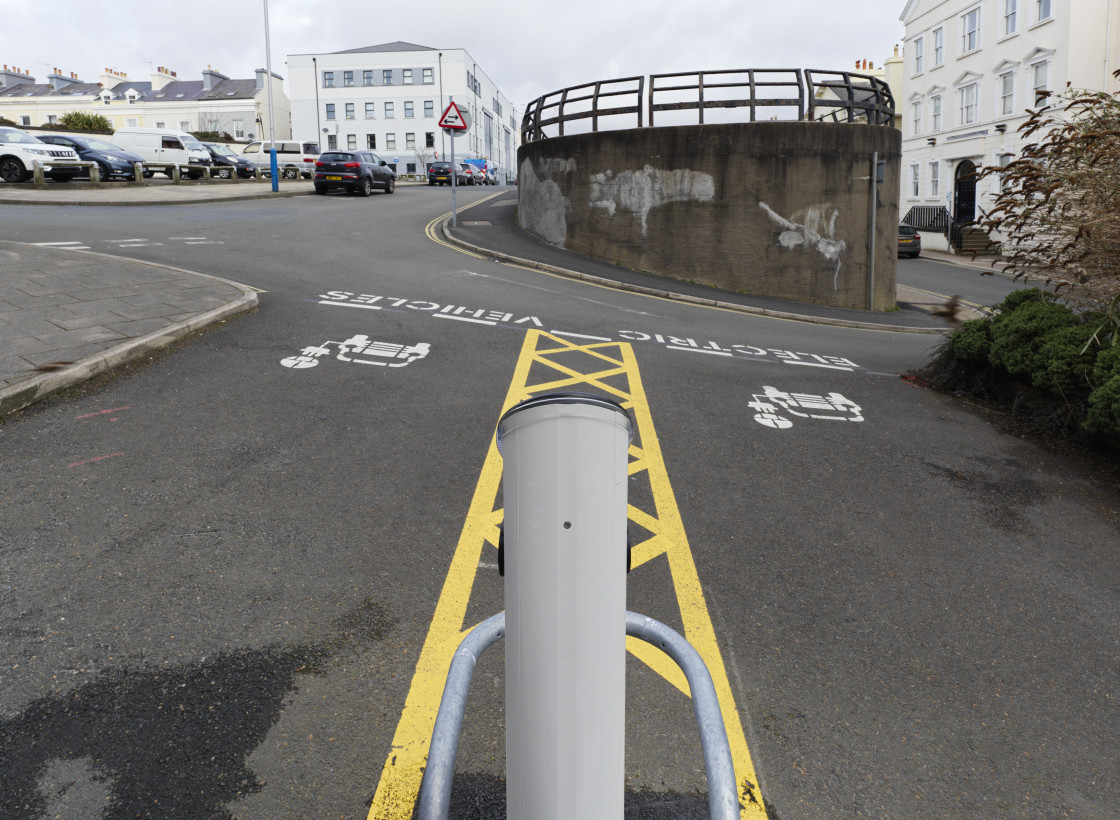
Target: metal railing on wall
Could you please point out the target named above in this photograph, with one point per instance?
(794, 94)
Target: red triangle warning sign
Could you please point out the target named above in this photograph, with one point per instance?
(453, 119)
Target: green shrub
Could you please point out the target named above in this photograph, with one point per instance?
(1024, 296)
(84, 121)
(1107, 365)
(1103, 417)
(1018, 336)
(1065, 369)
(973, 342)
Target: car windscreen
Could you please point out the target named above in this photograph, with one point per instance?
(222, 150)
(11, 135)
(441, 166)
(336, 157)
(191, 143)
(311, 148)
(906, 230)
(99, 145)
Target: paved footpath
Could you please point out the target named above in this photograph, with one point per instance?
(66, 316)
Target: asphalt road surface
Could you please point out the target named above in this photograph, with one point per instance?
(229, 574)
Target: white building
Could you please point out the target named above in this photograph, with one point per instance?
(972, 68)
(214, 103)
(388, 98)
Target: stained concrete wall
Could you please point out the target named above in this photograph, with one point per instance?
(772, 208)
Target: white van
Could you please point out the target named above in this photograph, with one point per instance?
(294, 158)
(164, 145)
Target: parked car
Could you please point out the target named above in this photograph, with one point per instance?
(294, 158)
(468, 173)
(358, 172)
(19, 151)
(224, 157)
(167, 145)
(909, 242)
(441, 172)
(112, 161)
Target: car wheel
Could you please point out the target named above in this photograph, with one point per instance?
(391, 185)
(12, 170)
(105, 171)
(224, 174)
(61, 178)
(320, 188)
(365, 188)
(148, 173)
(431, 182)
(290, 173)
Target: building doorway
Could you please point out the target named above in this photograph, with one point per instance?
(964, 193)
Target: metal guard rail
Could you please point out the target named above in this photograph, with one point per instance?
(815, 95)
(435, 788)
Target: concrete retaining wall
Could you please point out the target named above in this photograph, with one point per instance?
(770, 208)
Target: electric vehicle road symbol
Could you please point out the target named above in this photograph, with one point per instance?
(360, 350)
(772, 401)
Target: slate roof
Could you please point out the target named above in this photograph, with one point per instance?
(47, 90)
(188, 89)
(397, 46)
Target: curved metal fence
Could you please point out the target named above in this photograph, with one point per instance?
(788, 94)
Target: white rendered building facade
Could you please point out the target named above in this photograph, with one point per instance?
(971, 70)
(388, 98)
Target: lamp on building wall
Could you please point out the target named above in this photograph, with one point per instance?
(931, 141)
(1001, 127)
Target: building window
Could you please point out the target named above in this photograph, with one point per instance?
(1043, 10)
(938, 46)
(332, 142)
(160, 125)
(328, 79)
(408, 111)
(430, 139)
(407, 80)
(349, 111)
(1010, 17)
(429, 76)
(367, 77)
(970, 31)
(935, 113)
(391, 141)
(915, 180)
(968, 105)
(919, 49)
(371, 142)
(107, 98)
(330, 111)
(410, 140)
(387, 76)
(133, 122)
(351, 141)
(24, 119)
(347, 77)
(371, 110)
(935, 178)
(211, 125)
(239, 129)
(184, 125)
(388, 111)
(410, 168)
(1007, 94)
(916, 118)
(429, 108)
(1040, 81)
(1004, 161)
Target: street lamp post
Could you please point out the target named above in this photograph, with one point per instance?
(271, 114)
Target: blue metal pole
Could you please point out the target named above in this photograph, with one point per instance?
(271, 115)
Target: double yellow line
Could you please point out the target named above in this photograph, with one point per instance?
(432, 228)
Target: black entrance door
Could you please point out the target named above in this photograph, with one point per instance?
(964, 198)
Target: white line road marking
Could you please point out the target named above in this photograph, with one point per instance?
(54, 244)
(119, 241)
(581, 336)
(465, 319)
(178, 238)
(204, 242)
(815, 364)
(350, 304)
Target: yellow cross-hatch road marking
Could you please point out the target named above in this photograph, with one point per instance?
(549, 363)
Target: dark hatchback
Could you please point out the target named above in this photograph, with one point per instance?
(358, 172)
(111, 160)
(440, 172)
(225, 161)
(909, 242)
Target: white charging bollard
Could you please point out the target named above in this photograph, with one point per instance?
(565, 560)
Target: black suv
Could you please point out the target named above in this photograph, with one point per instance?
(359, 172)
(441, 172)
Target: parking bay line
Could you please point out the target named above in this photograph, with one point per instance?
(401, 775)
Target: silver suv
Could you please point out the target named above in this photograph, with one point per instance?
(19, 151)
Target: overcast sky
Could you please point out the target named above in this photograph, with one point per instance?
(527, 47)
